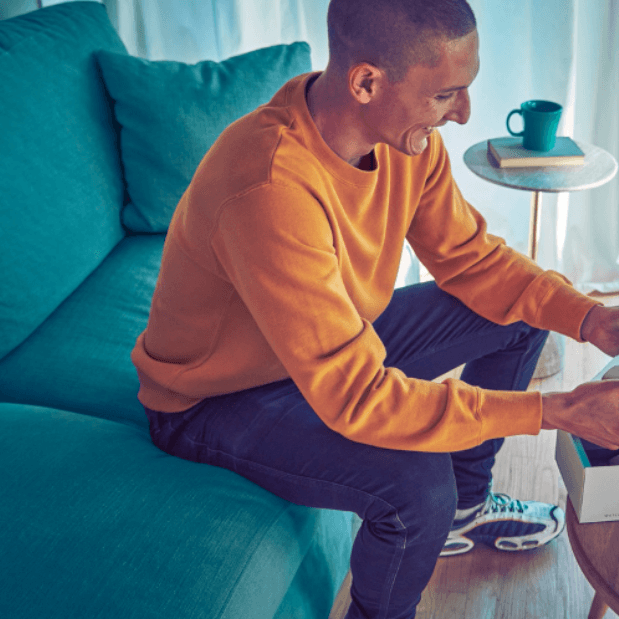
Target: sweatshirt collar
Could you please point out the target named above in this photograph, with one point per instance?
(316, 144)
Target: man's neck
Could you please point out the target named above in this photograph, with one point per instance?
(335, 123)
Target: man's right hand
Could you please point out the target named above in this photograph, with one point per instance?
(591, 412)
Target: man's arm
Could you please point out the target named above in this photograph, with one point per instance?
(505, 286)
(275, 244)
(450, 238)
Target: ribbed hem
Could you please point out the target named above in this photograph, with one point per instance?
(509, 413)
(564, 310)
(158, 398)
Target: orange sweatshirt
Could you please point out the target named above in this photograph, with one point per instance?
(279, 257)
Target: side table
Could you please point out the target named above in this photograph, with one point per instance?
(596, 548)
(599, 168)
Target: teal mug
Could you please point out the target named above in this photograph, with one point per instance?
(541, 119)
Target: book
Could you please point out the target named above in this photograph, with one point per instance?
(509, 153)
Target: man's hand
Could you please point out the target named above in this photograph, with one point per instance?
(601, 328)
(591, 412)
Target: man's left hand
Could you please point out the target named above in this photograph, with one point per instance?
(601, 328)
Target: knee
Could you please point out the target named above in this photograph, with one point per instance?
(431, 498)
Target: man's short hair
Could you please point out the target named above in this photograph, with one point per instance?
(394, 35)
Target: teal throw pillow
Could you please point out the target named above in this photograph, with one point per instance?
(171, 113)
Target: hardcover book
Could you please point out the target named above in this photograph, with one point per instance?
(508, 152)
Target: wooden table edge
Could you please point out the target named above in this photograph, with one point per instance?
(599, 584)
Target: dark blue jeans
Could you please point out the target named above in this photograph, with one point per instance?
(407, 500)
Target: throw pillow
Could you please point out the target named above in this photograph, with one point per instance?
(171, 113)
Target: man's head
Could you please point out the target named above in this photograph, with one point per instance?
(402, 68)
(394, 34)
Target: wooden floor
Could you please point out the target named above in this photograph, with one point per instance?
(539, 584)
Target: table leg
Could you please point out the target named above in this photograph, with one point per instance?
(536, 210)
(598, 608)
(550, 360)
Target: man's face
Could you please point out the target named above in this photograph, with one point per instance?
(403, 114)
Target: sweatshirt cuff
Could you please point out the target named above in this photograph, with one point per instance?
(509, 413)
(564, 311)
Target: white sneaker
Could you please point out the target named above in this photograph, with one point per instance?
(506, 524)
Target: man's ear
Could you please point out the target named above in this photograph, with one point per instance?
(363, 81)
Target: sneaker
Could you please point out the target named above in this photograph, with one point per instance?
(507, 524)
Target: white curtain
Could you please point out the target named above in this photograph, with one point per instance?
(563, 50)
(194, 30)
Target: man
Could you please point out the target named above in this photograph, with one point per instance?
(277, 348)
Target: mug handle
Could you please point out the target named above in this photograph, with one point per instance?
(507, 122)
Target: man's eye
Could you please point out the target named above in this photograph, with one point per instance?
(444, 97)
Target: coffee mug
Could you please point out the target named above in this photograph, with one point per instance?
(541, 119)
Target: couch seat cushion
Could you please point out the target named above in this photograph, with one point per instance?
(79, 358)
(171, 113)
(61, 188)
(97, 522)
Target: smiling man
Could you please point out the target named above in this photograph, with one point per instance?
(277, 347)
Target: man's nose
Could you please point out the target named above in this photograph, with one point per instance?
(461, 111)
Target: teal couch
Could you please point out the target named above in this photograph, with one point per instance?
(96, 148)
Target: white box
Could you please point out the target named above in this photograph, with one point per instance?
(594, 490)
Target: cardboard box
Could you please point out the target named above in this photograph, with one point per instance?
(594, 490)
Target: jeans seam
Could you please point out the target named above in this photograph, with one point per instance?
(294, 476)
(393, 568)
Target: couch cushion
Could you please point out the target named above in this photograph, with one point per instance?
(98, 523)
(79, 358)
(171, 113)
(61, 188)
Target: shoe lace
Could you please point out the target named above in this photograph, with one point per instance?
(499, 502)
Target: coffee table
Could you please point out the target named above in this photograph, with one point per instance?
(599, 168)
(596, 548)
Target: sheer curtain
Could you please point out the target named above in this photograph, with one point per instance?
(563, 50)
(194, 30)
